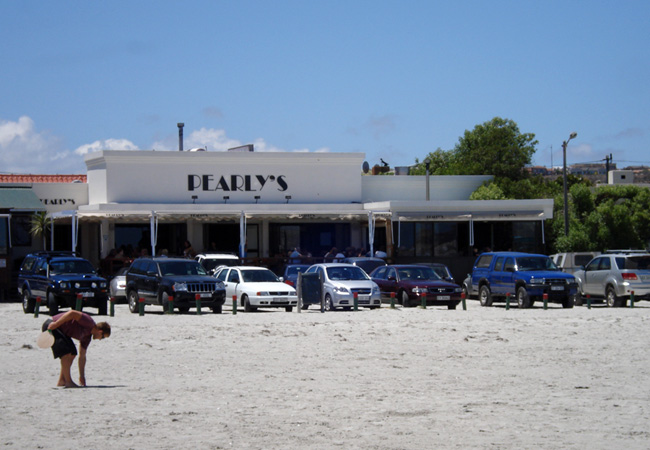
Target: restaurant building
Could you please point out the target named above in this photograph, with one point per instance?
(263, 205)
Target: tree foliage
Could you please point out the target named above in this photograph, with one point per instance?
(39, 225)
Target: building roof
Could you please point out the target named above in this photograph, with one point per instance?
(31, 178)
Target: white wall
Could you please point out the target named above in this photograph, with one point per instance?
(163, 177)
(379, 188)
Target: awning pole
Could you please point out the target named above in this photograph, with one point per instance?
(471, 232)
(51, 233)
(543, 238)
(153, 223)
(75, 231)
(242, 235)
(371, 231)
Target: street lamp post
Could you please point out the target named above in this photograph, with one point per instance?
(427, 162)
(566, 195)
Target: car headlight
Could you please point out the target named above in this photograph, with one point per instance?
(93, 285)
(103, 284)
(458, 290)
(375, 290)
(77, 285)
(64, 285)
(418, 290)
(262, 294)
(341, 290)
(180, 287)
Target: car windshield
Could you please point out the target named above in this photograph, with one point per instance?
(182, 268)
(72, 266)
(441, 271)
(535, 263)
(418, 273)
(258, 276)
(212, 263)
(295, 270)
(634, 263)
(346, 273)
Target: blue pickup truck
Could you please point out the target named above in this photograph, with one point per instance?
(525, 276)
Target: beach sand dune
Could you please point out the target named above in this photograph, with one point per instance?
(383, 379)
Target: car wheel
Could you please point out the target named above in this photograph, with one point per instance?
(288, 308)
(247, 304)
(183, 309)
(164, 301)
(485, 296)
(329, 306)
(217, 309)
(52, 305)
(28, 303)
(102, 308)
(133, 301)
(577, 299)
(452, 306)
(523, 300)
(568, 302)
(613, 301)
(406, 301)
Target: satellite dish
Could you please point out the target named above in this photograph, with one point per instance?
(365, 167)
(197, 149)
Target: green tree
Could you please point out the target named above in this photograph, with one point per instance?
(494, 148)
(40, 225)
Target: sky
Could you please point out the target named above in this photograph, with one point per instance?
(392, 79)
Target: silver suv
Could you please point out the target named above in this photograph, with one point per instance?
(614, 276)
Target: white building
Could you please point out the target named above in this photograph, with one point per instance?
(263, 204)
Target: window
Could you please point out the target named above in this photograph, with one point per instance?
(380, 273)
(498, 265)
(484, 261)
(509, 265)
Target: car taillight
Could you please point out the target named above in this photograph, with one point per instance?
(290, 283)
(629, 276)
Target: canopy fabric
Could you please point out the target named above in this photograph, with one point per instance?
(19, 199)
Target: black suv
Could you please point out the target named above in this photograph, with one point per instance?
(155, 280)
(58, 278)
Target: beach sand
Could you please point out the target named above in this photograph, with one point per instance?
(383, 379)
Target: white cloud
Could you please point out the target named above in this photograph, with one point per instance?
(107, 144)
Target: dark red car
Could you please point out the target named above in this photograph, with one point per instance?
(410, 282)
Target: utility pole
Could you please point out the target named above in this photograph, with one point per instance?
(608, 161)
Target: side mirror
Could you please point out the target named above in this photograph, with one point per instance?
(391, 278)
(281, 279)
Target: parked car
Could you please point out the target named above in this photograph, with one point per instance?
(212, 261)
(117, 285)
(613, 278)
(526, 276)
(442, 271)
(409, 282)
(573, 261)
(155, 280)
(341, 281)
(291, 271)
(58, 278)
(367, 263)
(256, 287)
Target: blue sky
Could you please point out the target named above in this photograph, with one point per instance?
(392, 79)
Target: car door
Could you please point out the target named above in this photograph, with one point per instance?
(595, 274)
(38, 280)
(379, 277)
(499, 276)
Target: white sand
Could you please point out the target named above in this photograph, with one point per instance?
(384, 379)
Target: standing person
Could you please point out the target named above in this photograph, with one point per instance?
(188, 251)
(80, 326)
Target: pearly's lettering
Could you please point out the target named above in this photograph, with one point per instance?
(236, 183)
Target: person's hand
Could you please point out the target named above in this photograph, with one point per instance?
(52, 326)
(82, 381)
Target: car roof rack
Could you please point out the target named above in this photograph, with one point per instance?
(627, 252)
(55, 253)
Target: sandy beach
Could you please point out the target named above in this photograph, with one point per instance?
(383, 379)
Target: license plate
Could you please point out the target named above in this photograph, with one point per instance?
(557, 288)
(87, 294)
(645, 278)
(444, 297)
(280, 299)
(363, 297)
(206, 295)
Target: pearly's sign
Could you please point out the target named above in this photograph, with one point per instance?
(234, 183)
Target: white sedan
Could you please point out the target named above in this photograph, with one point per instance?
(256, 287)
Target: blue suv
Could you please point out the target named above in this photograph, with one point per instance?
(525, 276)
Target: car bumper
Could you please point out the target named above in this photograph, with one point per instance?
(273, 301)
(555, 293)
(346, 300)
(436, 299)
(210, 300)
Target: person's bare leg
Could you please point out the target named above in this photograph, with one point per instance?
(65, 378)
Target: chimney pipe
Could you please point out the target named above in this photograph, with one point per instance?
(180, 136)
